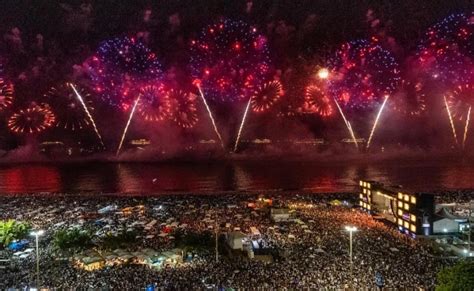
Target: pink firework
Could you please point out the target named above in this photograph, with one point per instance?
(361, 74)
(266, 96)
(154, 104)
(410, 98)
(317, 101)
(183, 108)
(230, 58)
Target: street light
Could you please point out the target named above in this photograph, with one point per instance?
(350, 229)
(36, 234)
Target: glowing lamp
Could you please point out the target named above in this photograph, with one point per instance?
(323, 73)
(351, 228)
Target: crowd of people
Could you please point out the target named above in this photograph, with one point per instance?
(454, 196)
(312, 247)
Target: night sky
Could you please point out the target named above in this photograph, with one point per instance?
(46, 43)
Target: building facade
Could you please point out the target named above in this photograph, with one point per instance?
(411, 213)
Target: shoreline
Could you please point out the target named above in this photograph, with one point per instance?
(183, 194)
(336, 156)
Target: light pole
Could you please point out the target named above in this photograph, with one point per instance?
(351, 229)
(217, 241)
(37, 234)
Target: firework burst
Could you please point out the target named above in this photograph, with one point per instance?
(69, 112)
(118, 65)
(362, 73)
(230, 58)
(459, 100)
(459, 103)
(447, 49)
(410, 99)
(154, 103)
(317, 101)
(266, 96)
(6, 94)
(34, 119)
(183, 107)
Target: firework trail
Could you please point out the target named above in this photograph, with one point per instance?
(451, 120)
(466, 127)
(242, 125)
(126, 126)
(79, 97)
(210, 116)
(263, 98)
(376, 121)
(348, 124)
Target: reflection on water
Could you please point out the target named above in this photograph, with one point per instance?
(152, 178)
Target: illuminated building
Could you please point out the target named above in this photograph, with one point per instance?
(140, 142)
(411, 213)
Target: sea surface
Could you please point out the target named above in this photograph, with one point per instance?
(221, 176)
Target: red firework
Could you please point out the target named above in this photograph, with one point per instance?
(230, 58)
(362, 73)
(266, 96)
(184, 111)
(410, 98)
(154, 104)
(70, 114)
(446, 50)
(317, 101)
(33, 119)
(6, 94)
(460, 100)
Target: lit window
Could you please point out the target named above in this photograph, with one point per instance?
(412, 217)
(400, 204)
(361, 203)
(400, 221)
(361, 196)
(406, 197)
(413, 199)
(406, 206)
(400, 195)
(368, 206)
(400, 212)
(406, 224)
(413, 228)
(369, 192)
(368, 185)
(365, 184)
(361, 183)
(365, 191)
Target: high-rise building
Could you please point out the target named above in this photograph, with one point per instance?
(412, 213)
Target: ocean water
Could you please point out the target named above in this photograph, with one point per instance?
(221, 176)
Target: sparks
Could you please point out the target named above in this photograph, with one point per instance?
(466, 128)
(451, 120)
(348, 124)
(242, 125)
(210, 116)
(376, 121)
(79, 97)
(128, 124)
